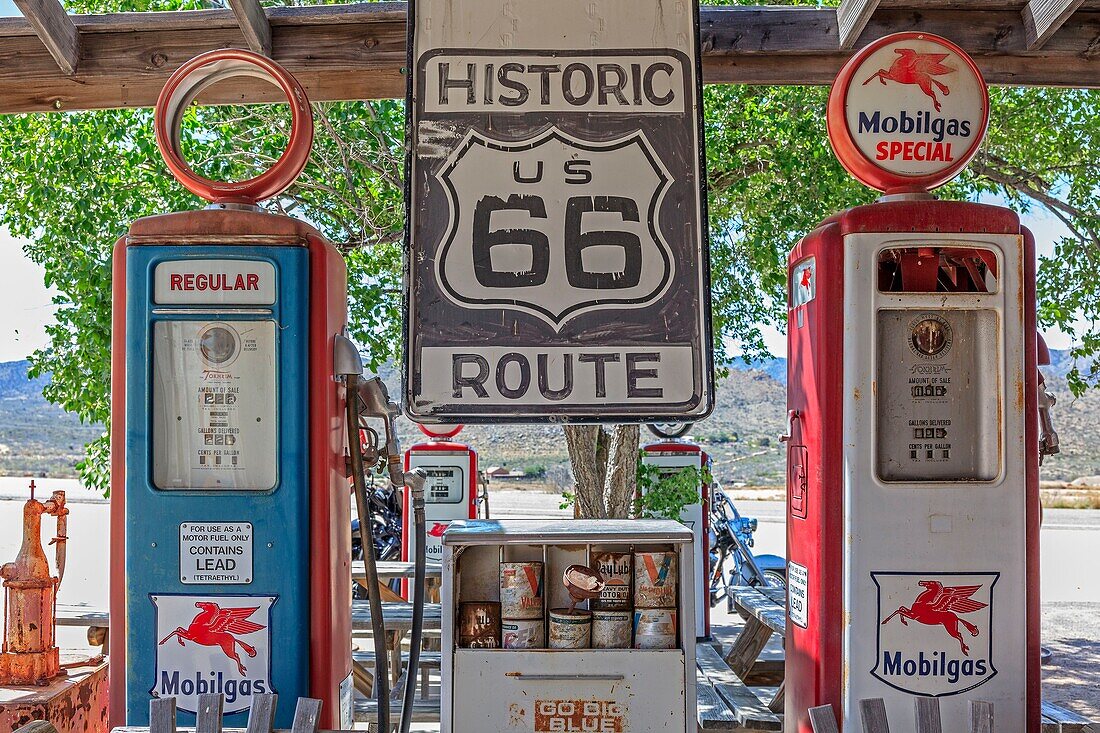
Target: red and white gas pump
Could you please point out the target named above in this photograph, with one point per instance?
(672, 455)
(912, 446)
(450, 490)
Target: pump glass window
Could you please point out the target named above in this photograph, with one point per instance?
(938, 398)
(937, 270)
(214, 395)
(444, 485)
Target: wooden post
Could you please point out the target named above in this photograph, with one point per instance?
(981, 716)
(261, 714)
(928, 714)
(306, 715)
(209, 717)
(823, 719)
(162, 715)
(872, 714)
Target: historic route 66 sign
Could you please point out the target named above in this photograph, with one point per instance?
(557, 258)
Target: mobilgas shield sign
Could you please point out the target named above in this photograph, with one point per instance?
(557, 260)
(907, 112)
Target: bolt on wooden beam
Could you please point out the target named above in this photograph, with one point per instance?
(55, 29)
(254, 25)
(1042, 18)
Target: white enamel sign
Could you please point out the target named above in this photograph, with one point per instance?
(798, 594)
(908, 111)
(212, 645)
(557, 249)
(216, 552)
(935, 631)
(218, 282)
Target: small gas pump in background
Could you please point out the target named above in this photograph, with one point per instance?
(913, 401)
(672, 455)
(30, 655)
(451, 491)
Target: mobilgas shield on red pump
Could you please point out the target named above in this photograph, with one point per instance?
(672, 455)
(230, 526)
(913, 445)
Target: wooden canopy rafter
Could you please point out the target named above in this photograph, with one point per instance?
(54, 61)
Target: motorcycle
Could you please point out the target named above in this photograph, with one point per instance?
(731, 538)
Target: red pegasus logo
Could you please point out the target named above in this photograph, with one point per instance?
(939, 606)
(217, 626)
(807, 275)
(916, 68)
(437, 529)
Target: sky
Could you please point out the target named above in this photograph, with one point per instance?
(7, 7)
(26, 308)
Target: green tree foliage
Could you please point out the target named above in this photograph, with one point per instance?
(72, 183)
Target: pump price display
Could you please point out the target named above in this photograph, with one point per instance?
(555, 205)
(213, 412)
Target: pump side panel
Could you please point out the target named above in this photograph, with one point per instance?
(815, 499)
(156, 599)
(330, 509)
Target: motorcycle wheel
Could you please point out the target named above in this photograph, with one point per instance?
(775, 578)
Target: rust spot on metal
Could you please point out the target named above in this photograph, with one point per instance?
(857, 394)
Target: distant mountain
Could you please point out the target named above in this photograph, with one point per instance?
(741, 435)
(14, 383)
(36, 437)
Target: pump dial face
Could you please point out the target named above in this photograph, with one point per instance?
(930, 337)
(218, 345)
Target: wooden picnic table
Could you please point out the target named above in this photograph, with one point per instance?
(767, 614)
(398, 619)
(393, 570)
(95, 619)
(398, 570)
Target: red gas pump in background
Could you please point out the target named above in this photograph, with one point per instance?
(672, 455)
(913, 443)
(450, 489)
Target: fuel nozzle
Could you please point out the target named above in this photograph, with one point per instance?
(374, 401)
(415, 480)
(1048, 437)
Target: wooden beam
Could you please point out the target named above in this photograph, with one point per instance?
(56, 30)
(1043, 17)
(851, 18)
(253, 22)
(358, 51)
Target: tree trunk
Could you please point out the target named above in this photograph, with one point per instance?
(605, 468)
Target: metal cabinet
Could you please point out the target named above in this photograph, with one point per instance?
(543, 690)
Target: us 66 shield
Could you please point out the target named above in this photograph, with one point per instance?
(557, 262)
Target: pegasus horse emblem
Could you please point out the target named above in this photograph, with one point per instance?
(938, 605)
(916, 68)
(217, 626)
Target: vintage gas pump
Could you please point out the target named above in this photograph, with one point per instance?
(230, 514)
(30, 655)
(451, 489)
(913, 443)
(672, 455)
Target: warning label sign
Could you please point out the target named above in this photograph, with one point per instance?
(216, 552)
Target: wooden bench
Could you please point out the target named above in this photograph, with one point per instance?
(872, 713)
(1057, 719)
(94, 618)
(424, 711)
(724, 701)
(363, 669)
(766, 616)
